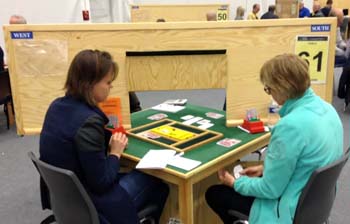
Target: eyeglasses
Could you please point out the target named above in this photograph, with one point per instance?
(267, 90)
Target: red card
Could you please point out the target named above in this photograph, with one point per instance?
(118, 129)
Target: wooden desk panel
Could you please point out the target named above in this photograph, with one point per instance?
(172, 13)
(248, 45)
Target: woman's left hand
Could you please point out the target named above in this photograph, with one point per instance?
(226, 178)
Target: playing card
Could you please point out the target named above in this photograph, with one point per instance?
(214, 115)
(228, 142)
(236, 171)
(156, 117)
(150, 135)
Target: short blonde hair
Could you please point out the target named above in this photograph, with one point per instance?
(286, 74)
(240, 11)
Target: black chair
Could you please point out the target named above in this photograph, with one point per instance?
(317, 198)
(5, 94)
(318, 195)
(69, 201)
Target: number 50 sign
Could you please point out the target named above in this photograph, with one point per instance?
(222, 14)
(314, 49)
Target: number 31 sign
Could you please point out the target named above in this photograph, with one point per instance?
(314, 49)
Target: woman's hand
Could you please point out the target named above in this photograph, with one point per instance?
(226, 178)
(118, 143)
(253, 171)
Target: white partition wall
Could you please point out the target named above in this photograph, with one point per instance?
(42, 11)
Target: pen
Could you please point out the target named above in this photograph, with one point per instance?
(243, 129)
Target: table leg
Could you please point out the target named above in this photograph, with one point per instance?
(186, 202)
(10, 113)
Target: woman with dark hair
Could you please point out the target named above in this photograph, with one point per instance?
(308, 136)
(73, 137)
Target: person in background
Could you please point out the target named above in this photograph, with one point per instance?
(341, 59)
(2, 67)
(316, 10)
(254, 14)
(74, 137)
(327, 9)
(160, 20)
(211, 16)
(240, 13)
(308, 136)
(17, 19)
(270, 14)
(134, 102)
(303, 11)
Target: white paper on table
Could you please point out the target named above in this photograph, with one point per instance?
(205, 126)
(168, 108)
(184, 163)
(192, 120)
(156, 159)
(187, 117)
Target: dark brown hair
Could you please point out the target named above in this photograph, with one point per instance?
(272, 8)
(88, 68)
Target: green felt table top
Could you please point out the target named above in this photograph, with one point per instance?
(205, 153)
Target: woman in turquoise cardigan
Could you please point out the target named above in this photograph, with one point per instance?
(309, 135)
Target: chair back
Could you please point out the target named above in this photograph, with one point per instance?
(69, 200)
(5, 88)
(316, 200)
(5, 94)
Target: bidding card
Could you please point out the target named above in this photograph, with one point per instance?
(205, 126)
(204, 121)
(228, 142)
(187, 117)
(192, 120)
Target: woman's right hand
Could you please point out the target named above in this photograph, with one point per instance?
(253, 171)
(118, 143)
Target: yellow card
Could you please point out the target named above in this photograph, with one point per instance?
(314, 49)
(222, 15)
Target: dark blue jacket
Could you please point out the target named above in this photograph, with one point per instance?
(269, 15)
(304, 12)
(73, 137)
